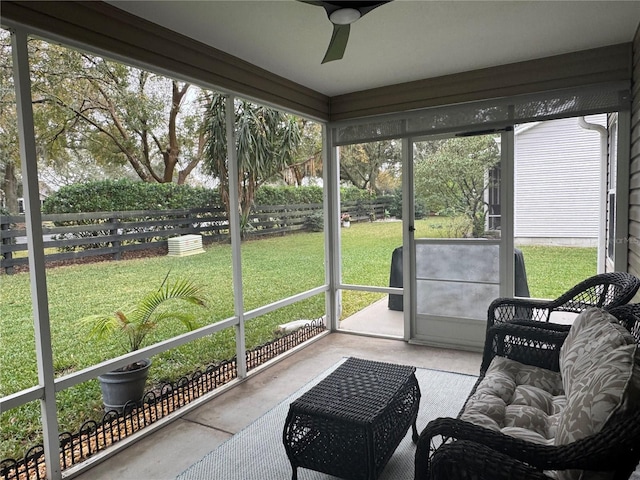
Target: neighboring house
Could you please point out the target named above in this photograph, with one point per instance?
(557, 197)
(21, 209)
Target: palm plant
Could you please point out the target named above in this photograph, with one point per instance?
(152, 309)
(266, 143)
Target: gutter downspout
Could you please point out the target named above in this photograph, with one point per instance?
(602, 214)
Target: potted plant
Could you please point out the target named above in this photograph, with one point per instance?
(132, 326)
(346, 220)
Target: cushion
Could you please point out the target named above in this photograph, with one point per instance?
(600, 367)
(594, 333)
(517, 400)
(599, 377)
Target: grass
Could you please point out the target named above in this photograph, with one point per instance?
(551, 271)
(272, 269)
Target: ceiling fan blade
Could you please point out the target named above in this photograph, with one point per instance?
(317, 3)
(344, 15)
(371, 5)
(338, 43)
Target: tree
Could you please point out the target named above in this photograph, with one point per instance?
(95, 117)
(266, 142)
(116, 114)
(9, 151)
(307, 161)
(453, 174)
(361, 164)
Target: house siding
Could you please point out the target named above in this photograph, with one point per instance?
(557, 183)
(634, 170)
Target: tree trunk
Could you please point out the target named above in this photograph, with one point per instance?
(10, 187)
(172, 153)
(184, 173)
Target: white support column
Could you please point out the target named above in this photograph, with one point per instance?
(37, 272)
(507, 261)
(621, 248)
(332, 244)
(234, 231)
(408, 239)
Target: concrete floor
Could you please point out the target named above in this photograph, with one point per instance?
(376, 319)
(170, 450)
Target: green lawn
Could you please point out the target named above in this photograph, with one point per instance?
(551, 271)
(273, 268)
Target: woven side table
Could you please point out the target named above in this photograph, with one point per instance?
(350, 423)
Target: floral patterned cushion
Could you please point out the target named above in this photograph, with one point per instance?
(600, 366)
(518, 400)
(599, 376)
(593, 334)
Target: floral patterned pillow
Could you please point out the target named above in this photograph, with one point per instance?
(593, 334)
(602, 368)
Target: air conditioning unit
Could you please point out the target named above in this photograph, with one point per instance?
(185, 245)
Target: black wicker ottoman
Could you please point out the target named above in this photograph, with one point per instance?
(350, 423)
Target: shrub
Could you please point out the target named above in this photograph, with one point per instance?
(395, 208)
(270, 195)
(122, 195)
(354, 193)
(315, 222)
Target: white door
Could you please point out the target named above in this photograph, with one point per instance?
(460, 232)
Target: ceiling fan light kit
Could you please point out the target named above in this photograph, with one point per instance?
(344, 16)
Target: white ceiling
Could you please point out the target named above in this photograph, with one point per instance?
(401, 41)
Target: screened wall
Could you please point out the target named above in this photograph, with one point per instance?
(190, 61)
(492, 117)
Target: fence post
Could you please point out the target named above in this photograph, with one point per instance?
(6, 226)
(116, 244)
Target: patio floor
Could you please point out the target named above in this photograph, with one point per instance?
(170, 450)
(376, 319)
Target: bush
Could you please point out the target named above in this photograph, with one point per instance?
(315, 222)
(395, 208)
(270, 195)
(123, 195)
(348, 194)
(287, 195)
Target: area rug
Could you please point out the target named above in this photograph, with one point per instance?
(257, 451)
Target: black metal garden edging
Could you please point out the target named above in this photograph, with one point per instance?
(94, 437)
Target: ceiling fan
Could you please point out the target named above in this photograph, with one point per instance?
(342, 15)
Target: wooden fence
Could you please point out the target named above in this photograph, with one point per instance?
(79, 235)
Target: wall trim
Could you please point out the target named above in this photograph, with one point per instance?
(583, 68)
(111, 30)
(104, 27)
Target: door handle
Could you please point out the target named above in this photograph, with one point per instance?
(412, 228)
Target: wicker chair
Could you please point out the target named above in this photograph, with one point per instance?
(449, 448)
(605, 290)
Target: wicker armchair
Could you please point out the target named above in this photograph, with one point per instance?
(605, 290)
(450, 448)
